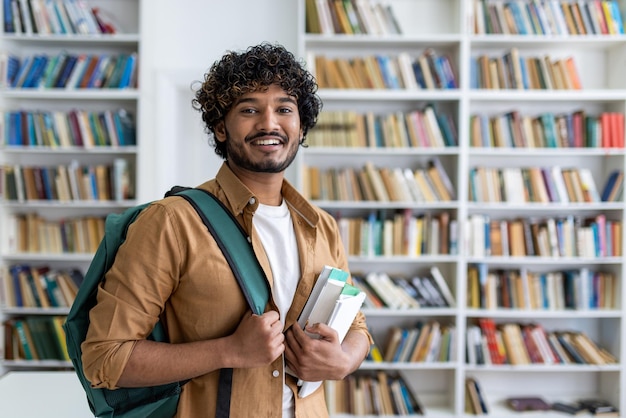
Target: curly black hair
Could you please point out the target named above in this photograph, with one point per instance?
(254, 69)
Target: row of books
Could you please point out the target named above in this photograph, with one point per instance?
(568, 236)
(35, 338)
(547, 130)
(513, 71)
(25, 286)
(31, 233)
(76, 128)
(551, 17)
(67, 70)
(518, 343)
(382, 184)
(424, 128)
(375, 394)
(350, 17)
(580, 289)
(58, 17)
(65, 183)
(554, 184)
(430, 70)
(403, 234)
(427, 290)
(426, 342)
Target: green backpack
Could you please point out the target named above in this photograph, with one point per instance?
(161, 401)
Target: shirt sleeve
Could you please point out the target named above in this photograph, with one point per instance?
(132, 297)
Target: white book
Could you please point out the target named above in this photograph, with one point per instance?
(63, 129)
(552, 236)
(559, 183)
(63, 17)
(433, 127)
(407, 75)
(403, 187)
(76, 17)
(443, 286)
(38, 9)
(546, 11)
(344, 312)
(365, 10)
(525, 17)
(479, 18)
(27, 24)
(584, 287)
(588, 185)
(72, 174)
(477, 233)
(121, 179)
(409, 180)
(375, 282)
(52, 17)
(337, 305)
(85, 12)
(472, 333)
(322, 299)
(311, 303)
(19, 183)
(110, 128)
(324, 14)
(543, 17)
(77, 72)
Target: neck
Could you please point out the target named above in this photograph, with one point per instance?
(265, 186)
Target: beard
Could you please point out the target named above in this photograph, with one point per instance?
(237, 157)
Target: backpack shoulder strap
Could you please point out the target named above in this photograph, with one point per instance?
(235, 245)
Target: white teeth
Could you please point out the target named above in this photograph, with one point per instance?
(268, 142)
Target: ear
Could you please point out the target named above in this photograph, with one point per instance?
(220, 131)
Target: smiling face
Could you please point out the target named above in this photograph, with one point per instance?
(262, 131)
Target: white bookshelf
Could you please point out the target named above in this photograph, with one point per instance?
(126, 13)
(447, 26)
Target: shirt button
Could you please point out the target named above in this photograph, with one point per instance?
(252, 201)
(275, 373)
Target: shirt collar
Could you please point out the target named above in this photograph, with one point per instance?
(238, 196)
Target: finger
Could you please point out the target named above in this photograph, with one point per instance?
(297, 335)
(324, 331)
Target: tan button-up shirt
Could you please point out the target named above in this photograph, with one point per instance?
(171, 268)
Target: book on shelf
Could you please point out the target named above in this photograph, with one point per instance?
(477, 403)
(333, 302)
(25, 338)
(598, 407)
(572, 408)
(528, 403)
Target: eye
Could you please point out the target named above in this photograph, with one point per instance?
(248, 110)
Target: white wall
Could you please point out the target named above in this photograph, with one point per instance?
(180, 41)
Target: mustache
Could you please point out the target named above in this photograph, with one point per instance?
(264, 134)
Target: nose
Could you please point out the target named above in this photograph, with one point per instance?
(267, 121)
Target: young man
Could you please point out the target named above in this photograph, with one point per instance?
(258, 105)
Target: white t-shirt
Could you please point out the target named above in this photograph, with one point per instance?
(275, 228)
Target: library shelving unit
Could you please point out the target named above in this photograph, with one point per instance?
(457, 30)
(108, 108)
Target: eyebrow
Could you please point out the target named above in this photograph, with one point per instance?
(283, 99)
